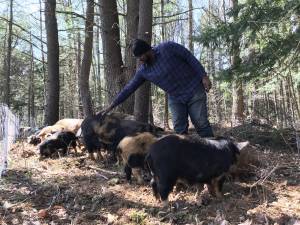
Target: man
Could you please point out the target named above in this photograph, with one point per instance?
(175, 70)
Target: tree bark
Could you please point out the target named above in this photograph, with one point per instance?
(7, 64)
(31, 107)
(142, 95)
(191, 43)
(237, 87)
(132, 19)
(78, 63)
(52, 99)
(99, 91)
(284, 111)
(113, 65)
(294, 97)
(276, 108)
(166, 99)
(43, 60)
(87, 61)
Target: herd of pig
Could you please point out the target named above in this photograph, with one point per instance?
(144, 148)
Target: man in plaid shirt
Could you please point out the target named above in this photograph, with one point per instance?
(175, 70)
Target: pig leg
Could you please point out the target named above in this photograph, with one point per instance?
(153, 184)
(74, 146)
(165, 186)
(214, 187)
(211, 188)
(220, 183)
(138, 174)
(128, 172)
(199, 189)
(99, 155)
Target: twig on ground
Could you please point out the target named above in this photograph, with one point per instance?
(261, 181)
(103, 170)
(99, 174)
(54, 197)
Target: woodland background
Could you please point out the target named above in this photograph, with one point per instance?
(69, 58)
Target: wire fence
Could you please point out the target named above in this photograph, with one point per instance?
(9, 129)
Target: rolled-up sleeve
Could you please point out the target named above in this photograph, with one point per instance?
(130, 87)
(186, 55)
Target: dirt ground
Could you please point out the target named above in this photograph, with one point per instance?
(76, 190)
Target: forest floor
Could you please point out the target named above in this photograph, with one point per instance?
(76, 190)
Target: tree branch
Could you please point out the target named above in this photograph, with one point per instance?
(23, 29)
(176, 14)
(170, 21)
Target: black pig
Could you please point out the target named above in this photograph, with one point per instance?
(59, 144)
(107, 131)
(192, 159)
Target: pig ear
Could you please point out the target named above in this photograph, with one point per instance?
(241, 145)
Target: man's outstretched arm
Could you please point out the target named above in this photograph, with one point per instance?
(130, 88)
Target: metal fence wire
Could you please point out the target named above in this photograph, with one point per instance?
(9, 129)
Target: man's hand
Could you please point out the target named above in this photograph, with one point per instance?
(105, 111)
(206, 83)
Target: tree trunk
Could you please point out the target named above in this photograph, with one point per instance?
(62, 97)
(70, 100)
(78, 63)
(191, 43)
(130, 61)
(294, 97)
(288, 99)
(237, 87)
(31, 107)
(166, 100)
(284, 112)
(142, 95)
(276, 108)
(87, 61)
(212, 72)
(52, 100)
(7, 64)
(43, 60)
(99, 91)
(237, 102)
(111, 49)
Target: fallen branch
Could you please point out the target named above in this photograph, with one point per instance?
(103, 170)
(261, 181)
(99, 174)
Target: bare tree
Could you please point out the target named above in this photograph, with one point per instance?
(132, 20)
(191, 20)
(237, 86)
(78, 70)
(43, 57)
(52, 100)
(113, 65)
(99, 91)
(87, 61)
(163, 36)
(31, 106)
(142, 95)
(7, 64)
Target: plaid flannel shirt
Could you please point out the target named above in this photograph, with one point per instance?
(175, 70)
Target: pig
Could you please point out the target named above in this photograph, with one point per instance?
(48, 130)
(34, 139)
(59, 143)
(132, 151)
(192, 159)
(70, 125)
(105, 132)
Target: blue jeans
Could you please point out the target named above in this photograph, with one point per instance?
(196, 108)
